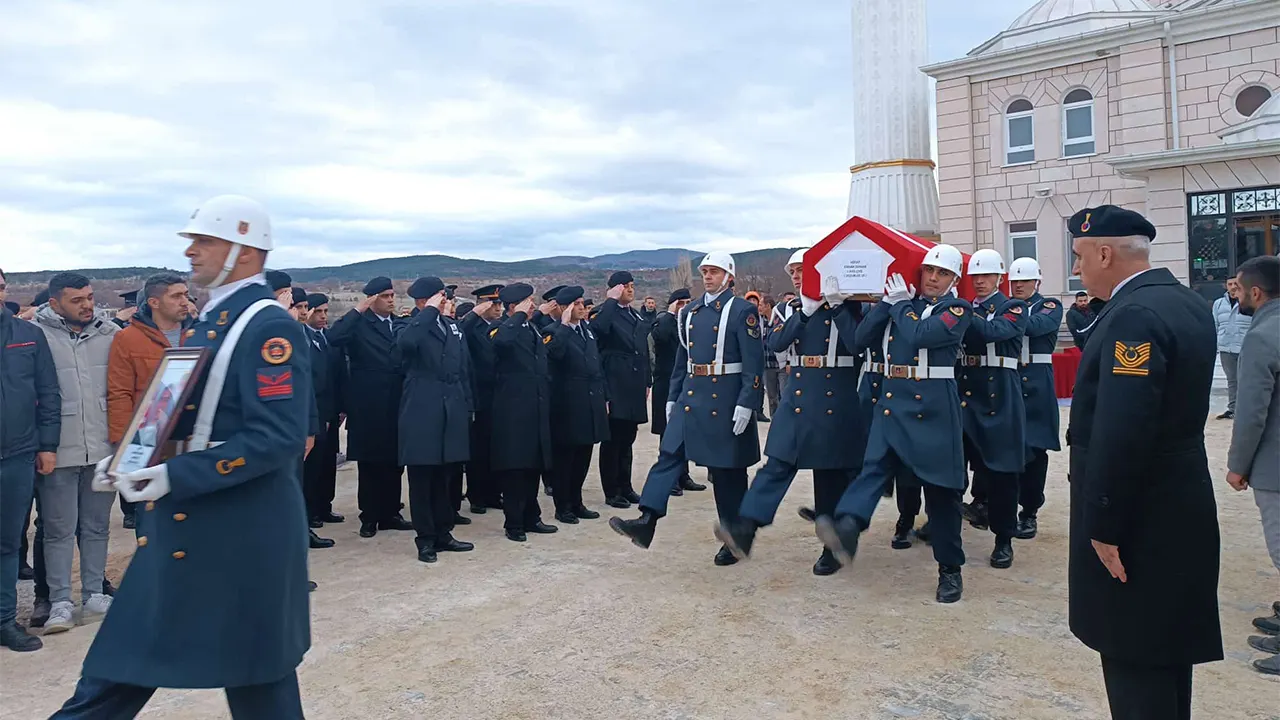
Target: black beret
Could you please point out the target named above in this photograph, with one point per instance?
(42, 297)
(425, 287)
(621, 277)
(377, 286)
(451, 287)
(1082, 294)
(514, 293)
(550, 295)
(488, 292)
(278, 280)
(13, 307)
(315, 300)
(1110, 221)
(569, 294)
(681, 294)
(588, 302)
(463, 308)
(299, 296)
(130, 298)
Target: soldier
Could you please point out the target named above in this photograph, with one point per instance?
(1144, 542)
(483, 491)
(715, 391)
(548, 315)
(994, 415)
(623, 338)
(1044, 317)
(666, 344)
(917, 424)
(366, 334)
(817, 426)
(202, 607)
(329, 374)
(431, 353)
(521, 412)
(579, 405)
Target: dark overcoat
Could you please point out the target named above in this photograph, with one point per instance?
(476, 331)
(373, 393)
(578, 397)
(623, 338)
(666, 343)
(1038, 393)
(436, 404)
(521, 395)
(328, 376)
(995, 418)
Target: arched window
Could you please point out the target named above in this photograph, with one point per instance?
(1020, 144)
(1250, 99)
(1077, 123)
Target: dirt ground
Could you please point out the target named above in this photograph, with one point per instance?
(582, 624)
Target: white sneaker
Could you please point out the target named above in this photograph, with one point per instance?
(60, 619)
(95, 608)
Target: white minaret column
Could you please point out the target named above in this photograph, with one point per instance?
(893, 182)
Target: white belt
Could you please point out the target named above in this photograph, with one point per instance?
(915, 372)
(180, 446)
(872, 367)
(715, 369)
(218, 375)
(984, 361)
(822, 361)
(1041, 359)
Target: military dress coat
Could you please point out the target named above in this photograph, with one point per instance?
(666, 343)
(521, 395)
(476, 331)
(623, 338)
(373, 393)
(817, 425)
(1140, 478)
(216, 594)
(869, 340)
(328, 376)
(436, 403)
(995, 417)
(578, 395)
(1044, 317)
(702, 419)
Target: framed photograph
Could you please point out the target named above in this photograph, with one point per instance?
(157, 413)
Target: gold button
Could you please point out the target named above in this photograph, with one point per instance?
(797, 374)
(715, 328)
(179, 555)
(191, 333)
(828, 376)
(797, 411)
(993, 412)
(179, 516)
(713, 413)
(829, 393)
(828, 322)
(964, 404)
(714, 396)
(713, 345)
(142, 541)
(875, 400)
(715, 380)
(1024, 380)
(690, 343)
(991, 379)
(829, 412)
(149, 506)
(886, 411)
(690, 392)
(919, 398)
(797, 393)
(968, 393)
(211, 334)
(687, 408)
(993, 395)
(826, 340)
(890, 338)
(875, 384)
(888, 395)
(191, 407)
(916, 358)
(919, 417)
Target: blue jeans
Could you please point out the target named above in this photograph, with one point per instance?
(17, 485)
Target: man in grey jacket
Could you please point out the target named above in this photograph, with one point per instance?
(1254, 458)
(80, 344)
(1231, 323)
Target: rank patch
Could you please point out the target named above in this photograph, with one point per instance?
(493, 332)
(277, 351)
(224, 467)
(546, 339)
(912, 314)
(1132, 359)
(752, 320)
(222, 318)
(957, 310)
(1016, 309)
(275, 383)
(753, 332)
(1049, 304)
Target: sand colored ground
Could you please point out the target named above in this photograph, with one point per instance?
(582, 624)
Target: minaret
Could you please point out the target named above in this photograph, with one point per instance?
(893, 182)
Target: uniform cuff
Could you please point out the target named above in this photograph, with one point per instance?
(1102, 525)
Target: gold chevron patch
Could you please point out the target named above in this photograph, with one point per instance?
(1132, 359)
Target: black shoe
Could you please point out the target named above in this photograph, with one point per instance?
(427, 555)
(25, 571)
(923, 532)
(1267, 643)
(762, 418)
(397, 522)
(15, 637)
(631, 497)
(452, 544)
(368, 529)
(311, 586)
(1268, 625)
(317, 542)
(1002, 556)
(567, 518)
(477, 509)
(582, 513)
(902, 533)
(461, 519)
(639, 530)
(1227, 415)
(687, 484)
(950, 584)
(808, 514)
(107, 588)
(517, 536)
(1026, 527)
(725, 557)
(130, 522)
(315, 523)
(840, 536)
(677, 491)
(542, 528)
(827, 564)
(737, 537)
(619, 502)
(976, 513)
(331, 517)
(40, 610)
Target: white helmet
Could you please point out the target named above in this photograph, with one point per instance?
(1024, 268)
(718, 259)
(236, 219)
(797, 258)
(946, 257)
(986, 262)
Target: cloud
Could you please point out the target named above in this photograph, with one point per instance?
(500, 129)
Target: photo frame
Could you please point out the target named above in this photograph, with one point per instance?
(157, 414)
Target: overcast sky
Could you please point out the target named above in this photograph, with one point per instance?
(500, 129)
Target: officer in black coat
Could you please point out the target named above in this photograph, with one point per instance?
(623, 338)
(1144, 542)
(666, 345)
(579, 404)
(483, 489)
(435, 411)
(550, 315)
(521, 411)
(329, 374)
(366, 334)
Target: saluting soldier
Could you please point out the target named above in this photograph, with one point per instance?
(366, 333)
(1044, 317)
(1144, 540)
(521, 412)
(715, 392)
(916, 426)
(666, 344)
(623, 338)
(547, 316)
(329, 373)
(817, 425)
(201, 607)
(431, 353)
(994, 415)
(483, 490)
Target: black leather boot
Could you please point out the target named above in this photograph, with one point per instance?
(902, 533)
(950, 584)
(640, 530)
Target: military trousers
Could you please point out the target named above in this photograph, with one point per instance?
(910, 492)
(430, 504)
(320, 473)
(616, 458)
(570, 465)
(379, 490)
(456, 492)
(729, 485)
(482, 486)
(520, 499)
(774, 479)
(1031, 482)
(1001, 494)
(97, 699)
(1147, 692)
(881, 465)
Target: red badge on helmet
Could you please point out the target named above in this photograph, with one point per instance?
(243, 228)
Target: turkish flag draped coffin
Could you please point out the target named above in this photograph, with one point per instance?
(902, 252)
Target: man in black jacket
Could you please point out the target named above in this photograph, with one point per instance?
(1079, 318)
(30, 426)
(623, 338)
(483, 491)
(329, 374)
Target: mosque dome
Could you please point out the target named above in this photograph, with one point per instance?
(1049, 20)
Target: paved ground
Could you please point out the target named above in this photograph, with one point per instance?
(583, 625)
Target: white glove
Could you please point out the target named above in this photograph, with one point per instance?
(101, 482)
(670, 406)
(809, 307)
(831, 291)
(896, 290)
(741, 416)
(142, 485)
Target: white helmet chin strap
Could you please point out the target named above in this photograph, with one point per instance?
(727, 279)
(227, 266)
